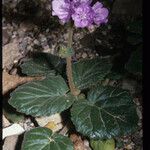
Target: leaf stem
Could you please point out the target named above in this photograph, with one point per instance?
(73, 89)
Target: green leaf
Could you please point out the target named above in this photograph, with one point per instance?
(43, 139)
(13, 116)
(134, 64)
(42, 64)
(88, 72)
(107, 112)
(114, 75)
(65, 52)
(10, 113)
(103, 145)
(42, 98)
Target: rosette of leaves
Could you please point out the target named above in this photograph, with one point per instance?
(103, 112)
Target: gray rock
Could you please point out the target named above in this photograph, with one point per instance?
(6, 37)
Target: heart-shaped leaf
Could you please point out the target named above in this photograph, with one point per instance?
(107, 112)
(43, 139)
(42, 98)
(103, 145)
(42, 64)
(89, 72)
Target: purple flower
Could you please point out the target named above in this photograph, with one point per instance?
(100, 13)
(80, 11)
(83, 16)
(76, 3)
(61, 8)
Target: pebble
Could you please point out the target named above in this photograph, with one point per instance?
(47, 30)
(97, 54)
(129, 147)
(84, 55)
(99, 41)
(5, 36)
(26, 26)
(78, 55)
(139, 113)
(29, 47)
(46, 47)
(36, 42)
(91, 56)
(109, 27)
(141, 133)
(104, 32)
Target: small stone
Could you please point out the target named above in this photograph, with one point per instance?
(29, 47)
(128, 147)
(109, 27)
(99, 41)
(141, 133)
(46, 47)
(78, 55)
(5, 37)
(139, 113)
(15, 33)
(84, 55)
(91, 55)
(26, 26)
(36, 42)
(13, 36)
(15, 25)
(97, 54)
(47, 30)
(139, 124)
(13, 71)
(104, 32)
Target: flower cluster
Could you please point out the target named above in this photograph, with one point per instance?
(80, 11)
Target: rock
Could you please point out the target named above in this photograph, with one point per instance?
(87, 145)
(79, 144)
(10, 142)
(10, 53)
(130, 85)
(28, 124)
(5, 122)
(6, 37)
(36, 42)
(14, 129)
(12, 81)
(54, 122)
(26, 27)
(104, 32)
(139, 113)
(77, 141)
(84, 55)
